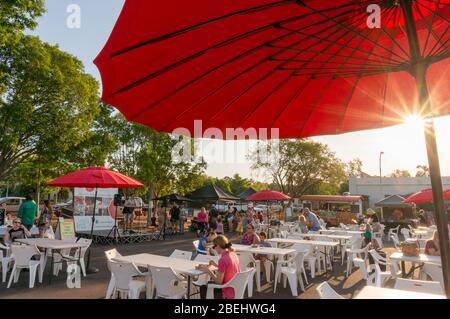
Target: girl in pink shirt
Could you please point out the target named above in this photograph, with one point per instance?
(201, 220)
(227, 267)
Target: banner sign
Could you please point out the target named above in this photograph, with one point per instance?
(84, 223)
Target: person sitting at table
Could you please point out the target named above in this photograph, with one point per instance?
(432, 245)
(17, 231)
(227, 268)
(250, 237)
(205, 241)
(311, 220)
(302, 224)
(367, 235)
(262, 258)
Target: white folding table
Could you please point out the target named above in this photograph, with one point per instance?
(421, 259)
(182, 266)
(372, 292)
(319, 243)
(53, 245)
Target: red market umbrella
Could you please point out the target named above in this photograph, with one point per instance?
(95, 177)
(302, 67)
(424, 196)
(267, 195)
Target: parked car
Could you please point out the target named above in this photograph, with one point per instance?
(11, 204)
(63, 205)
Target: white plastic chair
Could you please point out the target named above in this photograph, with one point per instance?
(67, 257)
(239, 282)
(311, 258)
(393, 231)
(125, 284)
(181, 254)
(22, 254)
(5, 260)
(381, 277)
(358, 258)
(199, 251)
(434, 272)
(168, 284)
(111, 254)
(406, 233)
(354, 244)
(292, 269)
(431, 287)
(394, 238)
(325, 291)
(247, 261)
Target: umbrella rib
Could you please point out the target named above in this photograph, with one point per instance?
(253, 85)
(292, 73)
(218, 45)
(198, 25)
(436, 48)
(225, 84)
(353, 31)
(308, 81)
(430, 29)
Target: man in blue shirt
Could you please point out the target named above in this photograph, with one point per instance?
(311, 220)
(203, 242)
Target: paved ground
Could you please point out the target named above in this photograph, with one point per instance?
(94, 285)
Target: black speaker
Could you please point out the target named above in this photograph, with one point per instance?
(118, 200)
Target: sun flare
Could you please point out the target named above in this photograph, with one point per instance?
(414, 121)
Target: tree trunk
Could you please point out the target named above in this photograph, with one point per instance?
(38, 188)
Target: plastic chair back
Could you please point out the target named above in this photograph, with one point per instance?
(23, 253)
(327, 292)
(123, 273)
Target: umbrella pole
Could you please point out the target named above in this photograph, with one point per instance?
(418, 69)
(92, 270)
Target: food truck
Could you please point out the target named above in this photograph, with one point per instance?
(335, 209)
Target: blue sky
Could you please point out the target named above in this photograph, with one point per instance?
(403, 145)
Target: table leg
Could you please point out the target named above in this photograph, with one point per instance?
(52, 267)
(189, 288)
(403, 269)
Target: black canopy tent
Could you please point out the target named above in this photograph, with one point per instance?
(247, 193)
(212, 194)
(174, 198)
(392, 205)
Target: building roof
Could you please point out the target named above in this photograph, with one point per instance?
(392, 201)
(248, 192)
(332, 198)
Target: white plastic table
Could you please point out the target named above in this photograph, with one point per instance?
(372, 292)
(182, 266)
(421, 259)
(319, 243)
(350, 232)
(53, 245)
(280, 252)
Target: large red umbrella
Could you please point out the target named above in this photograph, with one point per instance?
(304, 67)
(424, 196)
(267, 195)
(95, 177)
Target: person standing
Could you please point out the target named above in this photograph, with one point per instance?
(183, 216)
(201, 221)
(175, 217)
(28, 212)
(213, 214)
(128, 213)
(45, 218)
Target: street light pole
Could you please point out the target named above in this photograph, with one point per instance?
(381, 153)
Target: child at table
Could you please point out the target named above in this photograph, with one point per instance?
(219, 226)
(239, 225)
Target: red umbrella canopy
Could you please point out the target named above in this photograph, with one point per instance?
(95, 177)
(307, 68)
(424, 196)
(267, 195)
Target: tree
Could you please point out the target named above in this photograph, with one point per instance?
(354, 167)
(400, 173)
(422, 170)
(48, 108)
(147, 155)
(15, 17)
(301, 166)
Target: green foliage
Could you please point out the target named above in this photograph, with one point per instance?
(234, 185)
(422, 171)
(301, 167)
(400, 173)
(49, 106)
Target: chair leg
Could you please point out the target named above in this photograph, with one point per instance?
(250, 284)
(110, 289)
(268, 266)
(13, 275)
(304, 275)
(83, 267)
(300, 280)
(312, 266)
(5, 268)
(17, 275)
(293, 283)
(277, 274)
(32, 270)
(258, 276)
